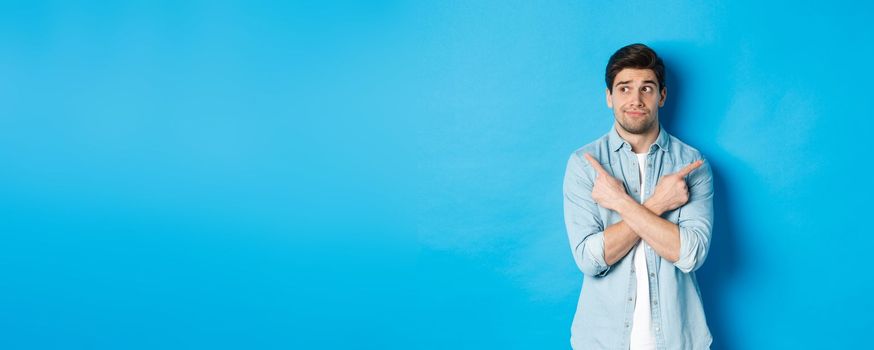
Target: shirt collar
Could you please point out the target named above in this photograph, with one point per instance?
(616, 142)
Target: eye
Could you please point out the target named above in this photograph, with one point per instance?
(624, 89)
(647, 89)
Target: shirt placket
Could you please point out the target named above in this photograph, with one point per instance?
(653, 157)
(628, 161)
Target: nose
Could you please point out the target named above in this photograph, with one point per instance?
(637, 99)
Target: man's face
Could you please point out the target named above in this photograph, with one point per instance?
(636, 100)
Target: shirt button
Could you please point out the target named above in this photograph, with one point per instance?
(657, 329)
(652, 274)
(629, 299)
(626, 324)
(655, 302)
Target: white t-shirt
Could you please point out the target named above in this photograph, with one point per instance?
(641, 327)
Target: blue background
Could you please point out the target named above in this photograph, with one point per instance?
(387, 174)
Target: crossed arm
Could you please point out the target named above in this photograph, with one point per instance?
(641, 221)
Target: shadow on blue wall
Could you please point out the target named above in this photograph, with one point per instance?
(723, 261)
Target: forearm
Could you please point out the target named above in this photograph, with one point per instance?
(662, 235)
(619, 238)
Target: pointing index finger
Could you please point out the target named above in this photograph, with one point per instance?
(691, 167)
(595, 164)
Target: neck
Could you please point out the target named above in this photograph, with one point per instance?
(639, 142)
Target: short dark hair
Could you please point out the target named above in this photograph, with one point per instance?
(637, 56)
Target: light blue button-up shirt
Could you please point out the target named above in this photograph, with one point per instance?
(606, 305)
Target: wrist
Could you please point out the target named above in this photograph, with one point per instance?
(625, 204)
(654, 207)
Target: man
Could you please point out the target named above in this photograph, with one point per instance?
(638, 205)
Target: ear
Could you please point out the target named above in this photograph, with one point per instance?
(609, 100)
(664, 96)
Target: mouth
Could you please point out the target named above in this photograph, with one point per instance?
(636, 113)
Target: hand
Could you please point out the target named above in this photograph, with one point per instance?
(606, 191)
(671, 192)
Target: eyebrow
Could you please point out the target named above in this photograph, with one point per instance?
(629, 81)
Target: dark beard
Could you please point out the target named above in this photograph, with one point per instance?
(639, 129)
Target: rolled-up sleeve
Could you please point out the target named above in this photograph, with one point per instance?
(695, 220)
(585, 228)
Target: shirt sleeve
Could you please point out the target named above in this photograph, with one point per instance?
(585, 228)
(695, 220)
